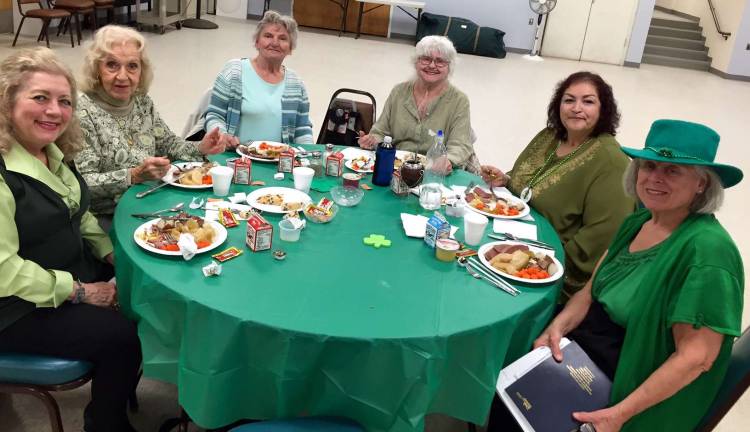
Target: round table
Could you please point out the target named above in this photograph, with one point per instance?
(382, 336)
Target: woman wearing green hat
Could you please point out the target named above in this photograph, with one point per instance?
(669, 289)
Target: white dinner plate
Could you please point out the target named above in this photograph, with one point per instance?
(512, 198)
(255, 144)
(170, 176)
(369, 169)
(555, 276)
(219, 238)
(289, 195)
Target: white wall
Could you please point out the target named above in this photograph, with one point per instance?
(510, 16)
(729, 13)
(740, 62)
(641, 23)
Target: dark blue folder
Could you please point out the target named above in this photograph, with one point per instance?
(548, 394)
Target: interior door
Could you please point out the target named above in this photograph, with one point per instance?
(608, 32)
(566, 29)
(327, 14)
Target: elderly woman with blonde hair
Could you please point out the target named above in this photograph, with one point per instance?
(55, 261)
(127, 142)
(418, 108)
(260, 98)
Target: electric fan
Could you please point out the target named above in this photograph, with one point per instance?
(541, 8)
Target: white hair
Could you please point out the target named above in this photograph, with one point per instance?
(707, 202)
(439, 44)
(273, 17)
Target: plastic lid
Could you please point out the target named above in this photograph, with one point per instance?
(387, 139)
(440, 133)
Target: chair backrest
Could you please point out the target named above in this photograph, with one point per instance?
(736, 381)
(23, 2)
(362, 118)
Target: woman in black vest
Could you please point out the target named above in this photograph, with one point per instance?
(55, 261)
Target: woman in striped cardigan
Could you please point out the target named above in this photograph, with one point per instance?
(261, 99)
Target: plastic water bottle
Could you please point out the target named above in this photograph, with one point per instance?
(431, 191)
(385, 158)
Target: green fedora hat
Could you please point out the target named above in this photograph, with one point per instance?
(685, 143)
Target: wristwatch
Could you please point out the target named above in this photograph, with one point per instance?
(78, 292)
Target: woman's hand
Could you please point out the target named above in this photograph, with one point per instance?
(551, 338)
(152, 168)
(604, 420)
(367, 142)
(213, 142)
(230, 141)
(99, 293)
(493, 176)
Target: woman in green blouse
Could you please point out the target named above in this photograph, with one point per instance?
(669, 289)
(418, 108)
(56, 285)
(571, 173)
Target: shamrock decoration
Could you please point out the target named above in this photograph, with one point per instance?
(377, 241)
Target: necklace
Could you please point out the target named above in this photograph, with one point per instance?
(528, 192)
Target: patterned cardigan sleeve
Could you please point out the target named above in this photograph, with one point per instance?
(103, 182)
(167, 143)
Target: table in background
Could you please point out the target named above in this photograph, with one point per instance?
(383, 336)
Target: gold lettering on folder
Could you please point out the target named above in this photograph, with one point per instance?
(583, 376)
(526, 403)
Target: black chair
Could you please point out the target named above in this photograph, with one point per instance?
(736, 382)
(346, 117)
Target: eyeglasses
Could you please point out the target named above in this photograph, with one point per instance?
(427, 60)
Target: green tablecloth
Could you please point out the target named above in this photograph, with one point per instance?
(383, 336)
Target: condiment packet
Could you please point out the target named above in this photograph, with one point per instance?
(187, 246)
(227, 254)
(213, 269)
(278, 176)
(365, 186)
(226, 218)
(257, 183)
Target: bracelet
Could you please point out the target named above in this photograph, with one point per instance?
(79, 292)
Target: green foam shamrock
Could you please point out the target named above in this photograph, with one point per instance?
(376, 241)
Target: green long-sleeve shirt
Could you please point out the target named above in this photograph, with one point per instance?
(583, 199)
(24, 278)
(449, 112)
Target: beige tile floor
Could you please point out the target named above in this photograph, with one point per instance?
(508, 98)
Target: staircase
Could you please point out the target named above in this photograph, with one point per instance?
(677, 44)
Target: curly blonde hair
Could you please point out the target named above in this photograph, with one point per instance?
(105, 39)
(14, 72)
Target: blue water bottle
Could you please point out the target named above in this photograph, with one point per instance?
(385, 158)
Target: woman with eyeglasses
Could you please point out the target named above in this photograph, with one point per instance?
(127, 142)
(418, 108)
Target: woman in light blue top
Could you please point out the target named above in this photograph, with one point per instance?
(261, 99)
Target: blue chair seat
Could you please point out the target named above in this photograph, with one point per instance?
(312, 424)
(40, 370)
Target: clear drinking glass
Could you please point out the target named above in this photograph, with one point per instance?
(430, 196)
